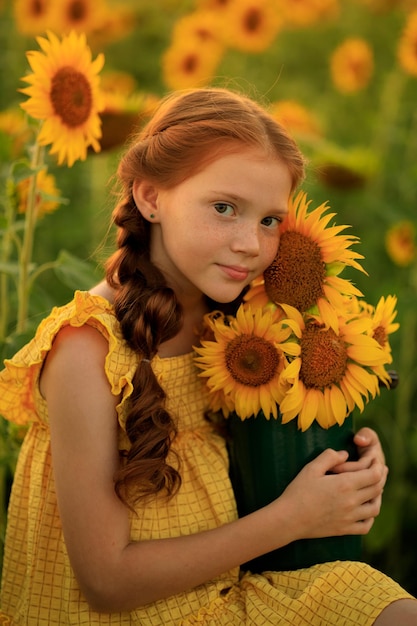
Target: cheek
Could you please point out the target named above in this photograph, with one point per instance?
(269, 251)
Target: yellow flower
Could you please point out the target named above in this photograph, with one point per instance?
(32, 16)
(14, 124)
(251, 25)
(400, 242)
(186, 64)
(202, 27)
(45, 192)
(307, 12)
(245, 361)
(407, 47)
(295, 118)
(64, 93)
(311, 254)
(79, 15)
(351, 65)
(333, 373)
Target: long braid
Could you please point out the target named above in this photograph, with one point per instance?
(149, 314)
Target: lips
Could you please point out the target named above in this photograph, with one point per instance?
(234, 272)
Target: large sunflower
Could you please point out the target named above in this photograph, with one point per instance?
(244, 362)
(305, 271)
(334, 371)
(64, 93)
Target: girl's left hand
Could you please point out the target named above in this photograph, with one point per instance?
(370, 453)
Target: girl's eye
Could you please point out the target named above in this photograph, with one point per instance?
(271, 222)
(224, 208)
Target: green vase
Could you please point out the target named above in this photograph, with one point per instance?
(265, 456)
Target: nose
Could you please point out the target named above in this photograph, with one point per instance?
(246, 239)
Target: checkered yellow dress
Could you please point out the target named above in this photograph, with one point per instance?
(39, 587)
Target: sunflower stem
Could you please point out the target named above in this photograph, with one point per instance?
(5, 256)
(23, 287)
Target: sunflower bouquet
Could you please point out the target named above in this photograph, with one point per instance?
(303, 351)
(304, 340)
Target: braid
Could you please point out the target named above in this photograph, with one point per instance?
(149, 314)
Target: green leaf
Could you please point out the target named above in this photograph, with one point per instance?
(76, 273)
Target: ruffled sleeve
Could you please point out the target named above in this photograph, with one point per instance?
(19, 381)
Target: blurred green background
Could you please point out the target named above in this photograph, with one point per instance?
(351, 107)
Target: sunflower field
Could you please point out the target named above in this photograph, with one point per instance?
(78, 76)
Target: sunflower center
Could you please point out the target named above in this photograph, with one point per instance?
(297, 274)
(251, 360)
(77, 10)
(252, 20)
(323, 357)
(71, 96)
(380, 335)
(190, 64)
(37, 7)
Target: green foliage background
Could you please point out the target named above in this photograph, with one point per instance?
(379, 123)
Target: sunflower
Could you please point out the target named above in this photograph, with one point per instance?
(31, 16)
(202, 27)
(64, 93)
(47, 194)
(351, 65)
(251, 25)
(245, 361)
(311, 255)
(79, 15)
(407, 47)
(295, 118)
(333, 373)
(302, 13)
(188, 64)
(400, 243)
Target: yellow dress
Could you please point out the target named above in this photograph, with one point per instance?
(38, 585)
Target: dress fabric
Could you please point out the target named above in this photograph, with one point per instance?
(38, 584)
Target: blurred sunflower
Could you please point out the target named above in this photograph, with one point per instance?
(383, 325)
(31, 16)
(400, 243)
(245, 360)
(352, 65)
(13, 124)
(64, 93)
(407, 47)
(202, 27)
(307, 12)
(187, 64)
(295, 118)
(216, 5)
(46, 197)
(251, 25)
(333, 373)
(79, 15)
(311, 255)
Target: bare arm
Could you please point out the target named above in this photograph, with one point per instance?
(116, 574)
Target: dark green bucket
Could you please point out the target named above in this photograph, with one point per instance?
(265, 455)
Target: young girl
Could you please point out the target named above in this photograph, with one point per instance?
(122, 510)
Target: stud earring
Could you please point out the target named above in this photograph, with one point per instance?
(152, 215)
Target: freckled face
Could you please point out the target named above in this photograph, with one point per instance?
(219, 229)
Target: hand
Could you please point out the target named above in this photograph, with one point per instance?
(370, 454)
(322, 502)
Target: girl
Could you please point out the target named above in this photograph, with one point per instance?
(122, 511)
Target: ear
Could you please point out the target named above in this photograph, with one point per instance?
(145, 195)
